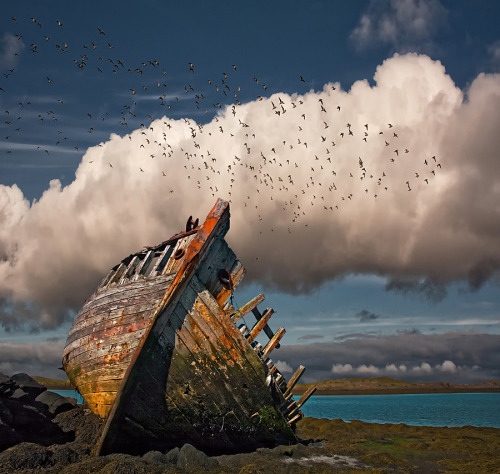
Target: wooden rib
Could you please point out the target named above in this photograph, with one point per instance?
(295, 378)
(131, 267)
(305, 397)
(143, 265)
(106, 279)
(119, 272)
(247, 308)
(162, 260)
(273, 343)
(260, 324)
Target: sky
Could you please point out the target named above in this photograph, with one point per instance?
(357, 143)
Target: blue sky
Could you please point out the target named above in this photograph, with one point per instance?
(404, 270)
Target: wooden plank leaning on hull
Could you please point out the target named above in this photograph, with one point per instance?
(217, 221)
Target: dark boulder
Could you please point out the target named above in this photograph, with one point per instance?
(8, 436)
(54, 402)
(28, 384)
(5, 413)
(190, 458)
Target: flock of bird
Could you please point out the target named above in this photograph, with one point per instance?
(309, 170)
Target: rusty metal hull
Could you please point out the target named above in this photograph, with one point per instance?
(155, 351)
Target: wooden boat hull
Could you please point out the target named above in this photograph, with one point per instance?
(158, 355)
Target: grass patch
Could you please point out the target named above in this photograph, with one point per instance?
(408, 448)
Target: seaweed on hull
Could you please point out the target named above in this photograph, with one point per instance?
(159, 352)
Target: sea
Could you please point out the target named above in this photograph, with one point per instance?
(429, 409)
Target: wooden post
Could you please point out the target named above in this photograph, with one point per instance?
(295, 378)
(260, 324)
(247, 308)
(305, 397)
(273, 343)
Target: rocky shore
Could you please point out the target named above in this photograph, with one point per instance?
(41, 431)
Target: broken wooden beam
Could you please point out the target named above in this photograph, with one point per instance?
(273, 343)
(261, 323)
(303, 399)
(296, 418)
(295, 378)
(247, 307)
(267, 329)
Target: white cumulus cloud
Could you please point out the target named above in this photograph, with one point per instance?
(402, 24)
(367, 369)
(398, 179)
(283, 367)
(341, 368)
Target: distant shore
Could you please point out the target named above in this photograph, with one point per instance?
(389, 386)
(354, 386)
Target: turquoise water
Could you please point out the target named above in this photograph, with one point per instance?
(435, 409)
(70, 393)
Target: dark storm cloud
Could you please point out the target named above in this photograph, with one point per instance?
(431, 290)
(308, 337)
(34, 359)
(453, 357)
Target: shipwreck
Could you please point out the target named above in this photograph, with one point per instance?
(159, 352)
